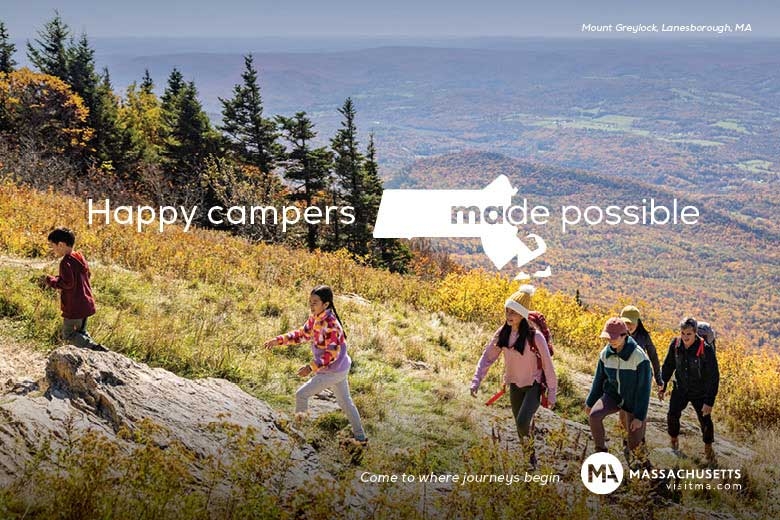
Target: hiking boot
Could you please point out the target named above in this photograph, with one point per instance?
(709, 454)
(674, 444)
(352, 442)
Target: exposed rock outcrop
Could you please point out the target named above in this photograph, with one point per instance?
(108, 392)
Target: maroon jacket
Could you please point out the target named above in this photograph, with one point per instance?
(73, 282)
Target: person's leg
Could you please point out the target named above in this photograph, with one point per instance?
(529, 402)
(677, 403)
(343, 397)
(74, 332)
(603, 407)
(707, 429)
(636, 437)
(705, 421)
(319, 382)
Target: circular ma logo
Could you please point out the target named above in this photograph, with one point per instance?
(602, 473)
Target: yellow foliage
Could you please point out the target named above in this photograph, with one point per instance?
(43, 108)
(750, 382)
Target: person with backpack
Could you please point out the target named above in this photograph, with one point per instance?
(622, 382)
(529, 369)
(696, 379)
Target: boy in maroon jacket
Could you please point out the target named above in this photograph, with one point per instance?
(75, 292)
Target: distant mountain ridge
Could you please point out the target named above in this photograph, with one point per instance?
(689, 113)
(719, 269)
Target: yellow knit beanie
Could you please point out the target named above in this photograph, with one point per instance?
(520, 301)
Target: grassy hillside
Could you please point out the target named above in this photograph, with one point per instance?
(724, 269)
(202, 303)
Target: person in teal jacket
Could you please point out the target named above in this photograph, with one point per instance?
(622, 382)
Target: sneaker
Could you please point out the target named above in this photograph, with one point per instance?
(97, 347)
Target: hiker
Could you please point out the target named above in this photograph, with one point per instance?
(637, 330)
(528, 365)
(622, 382)
(76, 300)
(696, 380)
(331, 362)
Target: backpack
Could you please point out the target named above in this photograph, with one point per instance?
(706, 331)
(540, 323)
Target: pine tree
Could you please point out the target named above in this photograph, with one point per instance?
(113, 141)
(252, 137)
(307, 168)
(350, 180)
(81, 71)
(190, 138)
(147, 84)
(51, 54)
(389, 253)
(7, 50)
(172, 91)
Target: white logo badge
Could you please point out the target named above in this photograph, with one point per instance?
(602, 473)
(487, 214)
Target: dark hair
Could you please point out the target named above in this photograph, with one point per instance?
(506, 330)
(689, 323)
(640, 328)
(63, 234)
(325, 294)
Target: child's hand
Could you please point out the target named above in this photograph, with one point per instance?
(271, 343)
(304, 371)
(473, 392)
(43, 281)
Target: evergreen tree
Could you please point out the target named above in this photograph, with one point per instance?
(113, 141)
(147, 84)
(51, 54)
(190, 138)
(308, 169)
(350, 180)
(172, 91)
(81, 71)
(252, 137)
(389, 253)
(7, 50)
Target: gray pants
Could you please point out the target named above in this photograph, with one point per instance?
(74, 332)
(336, 381)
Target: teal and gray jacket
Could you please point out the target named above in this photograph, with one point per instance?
(626, 377)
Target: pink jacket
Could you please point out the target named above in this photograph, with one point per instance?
(521, 369)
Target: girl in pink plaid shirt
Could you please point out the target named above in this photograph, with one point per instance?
(330, 364)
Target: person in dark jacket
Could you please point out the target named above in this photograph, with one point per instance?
(637, 330)
(696, 380)
(622, 382)
(76, 299)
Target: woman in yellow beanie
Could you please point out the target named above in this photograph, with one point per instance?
(523, 347)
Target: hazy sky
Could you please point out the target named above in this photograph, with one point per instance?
(416, 18)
